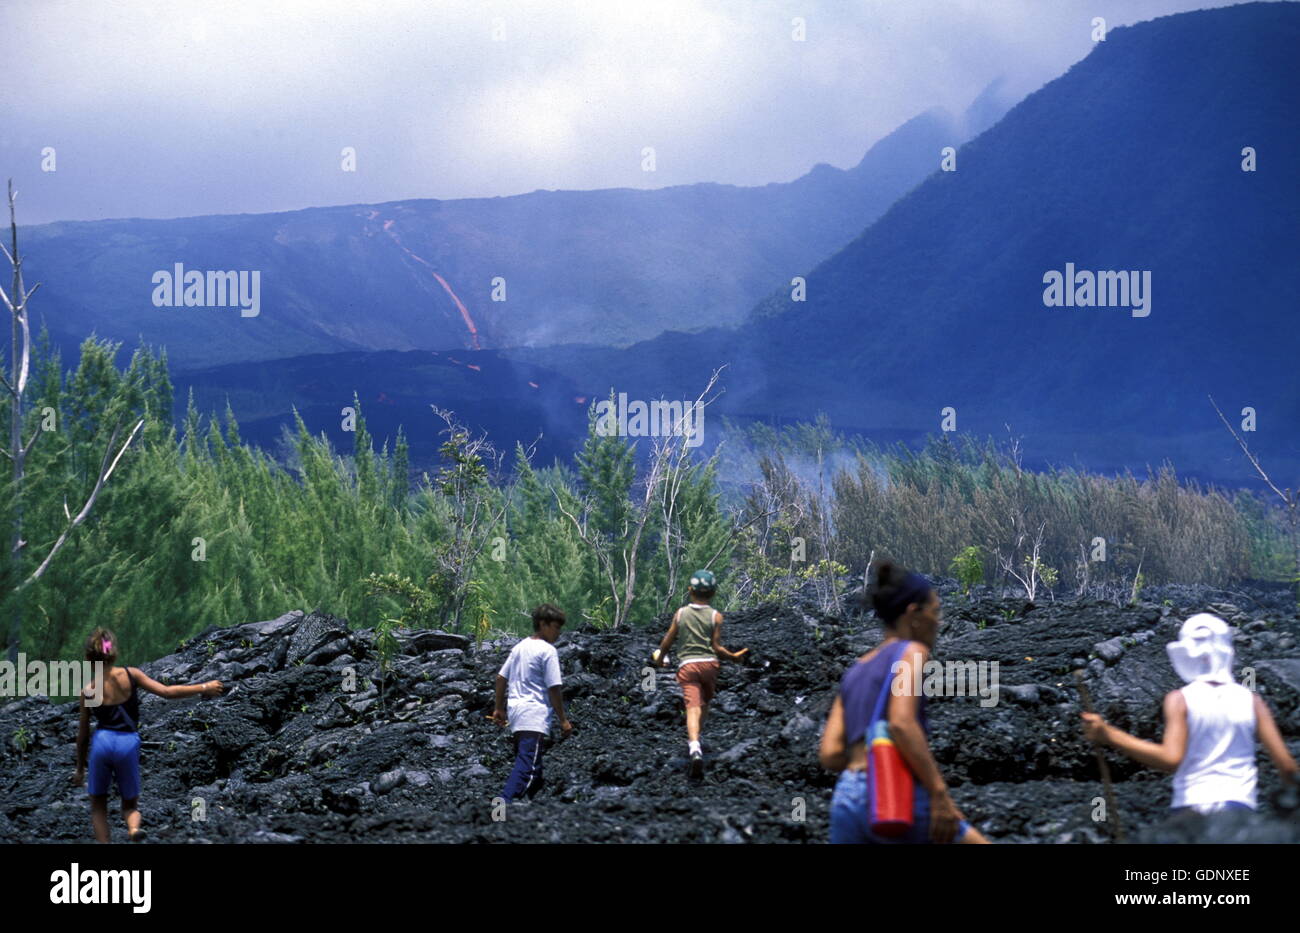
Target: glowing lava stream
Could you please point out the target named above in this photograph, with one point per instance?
(464, 312)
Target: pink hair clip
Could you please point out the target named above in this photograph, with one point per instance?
(107, 645)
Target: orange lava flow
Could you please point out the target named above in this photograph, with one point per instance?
(460, 306)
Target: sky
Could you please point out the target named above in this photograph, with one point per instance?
(185, 108)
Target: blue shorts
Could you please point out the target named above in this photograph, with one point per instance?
(114, 755)
(849, 824)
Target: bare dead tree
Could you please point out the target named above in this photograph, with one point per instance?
(669, 463)
(1137, 581)
(676, 455)
(777, 492)
(18, 450)
(1014, 454)
(745, 584)
(828, 595)
(476, 508)
(1290, 497)
(1032, 573)
(600, 549)
(1082, 571)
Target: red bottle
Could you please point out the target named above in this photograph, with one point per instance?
(890, 785)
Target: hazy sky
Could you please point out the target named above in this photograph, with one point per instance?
(180, 108)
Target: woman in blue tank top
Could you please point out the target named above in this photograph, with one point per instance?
(910, 610)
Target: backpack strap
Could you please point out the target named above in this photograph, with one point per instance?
(121, 707)
(889, 681)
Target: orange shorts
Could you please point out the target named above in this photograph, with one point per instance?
(699, 681)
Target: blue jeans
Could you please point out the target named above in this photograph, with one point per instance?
(114, 755)
(850, 824)
(1217, 808)
(526, 777)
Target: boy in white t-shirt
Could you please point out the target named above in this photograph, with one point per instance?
(532, 675)
(1211, 726)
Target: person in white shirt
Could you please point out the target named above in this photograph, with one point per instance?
(532, 676)
(1210, 726)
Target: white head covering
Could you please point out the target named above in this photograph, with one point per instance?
(1203, 650)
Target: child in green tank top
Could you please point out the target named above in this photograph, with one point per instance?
(698, 628)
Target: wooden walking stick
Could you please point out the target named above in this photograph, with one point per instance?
(1111, 806)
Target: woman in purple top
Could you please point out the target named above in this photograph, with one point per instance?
(910, 610)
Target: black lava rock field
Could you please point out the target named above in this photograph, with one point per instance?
(305, 747)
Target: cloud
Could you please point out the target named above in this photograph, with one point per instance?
(177, 108)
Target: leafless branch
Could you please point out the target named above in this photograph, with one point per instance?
(105, 471)
(1254, 461)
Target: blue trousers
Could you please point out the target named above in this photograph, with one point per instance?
(1226, 805)
(849, 822)
(526, 777)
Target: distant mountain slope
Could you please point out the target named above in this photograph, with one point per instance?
(607, 267)
(1130, 161)
(507, 399)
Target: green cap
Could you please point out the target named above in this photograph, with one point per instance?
(702, 581)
